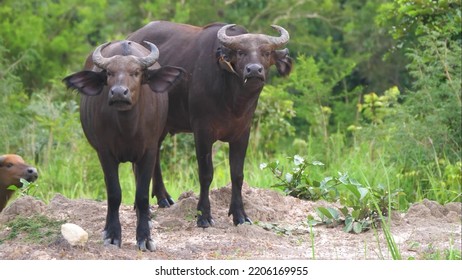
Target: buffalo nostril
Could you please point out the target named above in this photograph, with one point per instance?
(254, 68)
(119, 91)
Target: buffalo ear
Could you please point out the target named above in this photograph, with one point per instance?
(86, 82)
(224, 57)
(283, 62)
(164, 78)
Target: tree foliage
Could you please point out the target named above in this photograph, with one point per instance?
(383, 74)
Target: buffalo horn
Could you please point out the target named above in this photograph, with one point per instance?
(283, 38)
(98, 58)
(151, 58)
(231, 42)
(234, 42)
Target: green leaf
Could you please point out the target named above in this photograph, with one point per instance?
(335, 214)
(24, 182)
(324, 212)
(355, 182)
(316, 184)
(354, 190)
(329, 212)
(363, 192)
(325, 181)
(348, 224)
(12, 188)
(357, 227)
(344, 211)
(343, 178)
(312, 221)
(273, 165)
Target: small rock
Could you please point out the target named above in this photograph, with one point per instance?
(74, 234)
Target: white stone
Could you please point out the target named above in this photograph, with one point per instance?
(74, 234)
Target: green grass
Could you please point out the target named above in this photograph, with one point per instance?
(71, 167)
(450, 253)
(76, 173)
(37, 229)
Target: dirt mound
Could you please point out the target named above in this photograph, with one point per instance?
(279, 231)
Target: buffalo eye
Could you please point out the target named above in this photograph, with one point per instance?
(241, 53)
(9, 165)
(109, 74)
(135, 74)
(266, 54)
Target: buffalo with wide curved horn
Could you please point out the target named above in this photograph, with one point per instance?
(239, 41)
(145, 61)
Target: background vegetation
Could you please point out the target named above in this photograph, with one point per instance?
(375, 92)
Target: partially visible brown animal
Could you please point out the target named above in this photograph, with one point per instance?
(12, 169)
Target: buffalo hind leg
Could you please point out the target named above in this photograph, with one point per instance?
(237, 151)
(164, 200)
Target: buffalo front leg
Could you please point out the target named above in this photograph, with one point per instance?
(204, 160)
(143, 174)
(112, 233)
(237, 151)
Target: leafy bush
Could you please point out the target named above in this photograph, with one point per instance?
(362, 206)
(376, 108)
(297, 182)
(423, 135)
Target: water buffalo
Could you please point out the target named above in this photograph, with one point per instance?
(12, 170)
(227, 68)
(123, 110)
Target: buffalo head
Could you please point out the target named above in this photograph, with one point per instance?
(123, 74)
(250, 56)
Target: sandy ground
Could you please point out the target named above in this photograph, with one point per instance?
(279, 231)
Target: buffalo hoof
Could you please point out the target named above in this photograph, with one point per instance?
(205, 222)
(166, 202)
(146, 245)
(111, 241)
(242, 220)
(114, 242)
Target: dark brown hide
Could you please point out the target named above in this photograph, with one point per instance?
(123, 110)
(12, 170)
(218, 100)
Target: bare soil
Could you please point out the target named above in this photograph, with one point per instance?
(279, 231)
